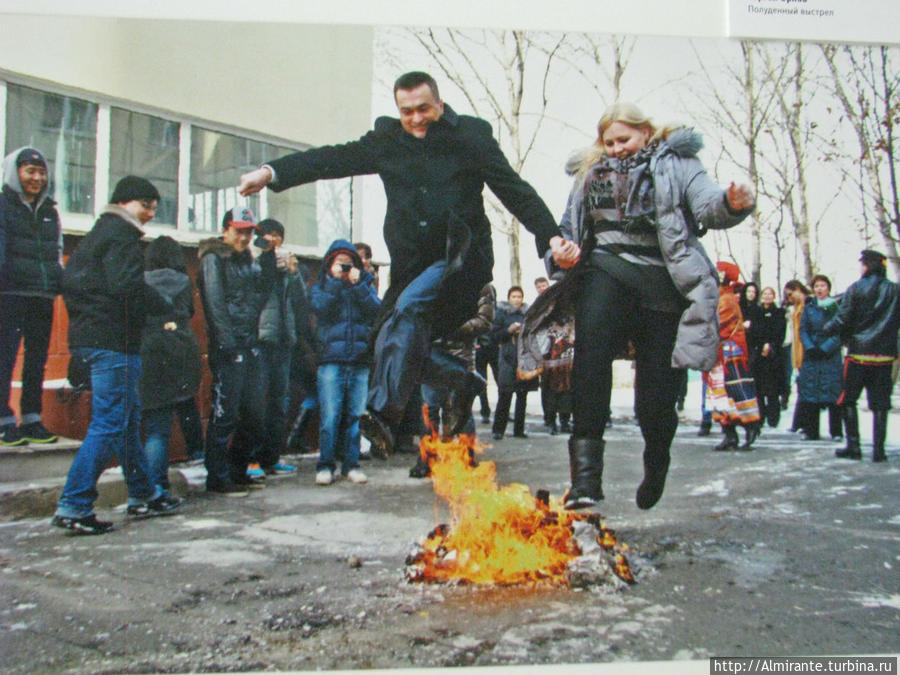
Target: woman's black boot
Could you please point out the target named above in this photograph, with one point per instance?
(656, 466)
(851, 431)
(752, 433)
(879, 435)
(730, 442)
(586, 468)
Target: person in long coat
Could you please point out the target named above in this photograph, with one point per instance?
(819, 381)
(766, 341)
(507, 324)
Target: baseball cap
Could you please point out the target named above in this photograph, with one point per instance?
(240, 218)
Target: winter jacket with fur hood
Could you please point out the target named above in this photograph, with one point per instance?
(234, 288)
(30, 238)
(103, 286)
(688, 203)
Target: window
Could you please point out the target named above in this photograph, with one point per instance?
(64, 129)
(146, 146)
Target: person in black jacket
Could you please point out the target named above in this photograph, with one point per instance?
(434, 165)
(234, 289)
(867, 321)
(30, 273)
(766, 340)
(170, 361)
(108, 302)
(507, 324)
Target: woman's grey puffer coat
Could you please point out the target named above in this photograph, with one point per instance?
(688, 203)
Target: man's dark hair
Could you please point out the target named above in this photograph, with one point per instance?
(414, 79)
(512, 289)
(541, 279)
(365, 248)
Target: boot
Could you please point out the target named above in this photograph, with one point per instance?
(296, 438)
(851, 430)
(705, 428)
(656, 466)
(752, 433)
(879, 435)
(730, 442)
(586, 469)
(462, 397)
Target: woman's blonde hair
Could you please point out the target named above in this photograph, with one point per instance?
(627, 113)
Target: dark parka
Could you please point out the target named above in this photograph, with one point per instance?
(435, 208)
(869, 316)
(345, 313)
(284, 319)
(820, 377)
(104, 289)
(30, 238)
(170, 359)
(504, 317)
(234, 289)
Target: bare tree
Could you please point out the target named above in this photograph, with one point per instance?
(742, 119)
(866, 83)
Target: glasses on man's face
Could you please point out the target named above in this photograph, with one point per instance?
(149, 204)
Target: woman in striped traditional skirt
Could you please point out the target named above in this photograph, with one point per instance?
(730, 391)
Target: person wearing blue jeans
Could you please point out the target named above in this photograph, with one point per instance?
(346, 304)
(158, 431)
(114, 431)
(108, 302)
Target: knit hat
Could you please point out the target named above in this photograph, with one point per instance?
(271, 226)
(133, 187)
(872, 259)
(30, 156)
(240, 218)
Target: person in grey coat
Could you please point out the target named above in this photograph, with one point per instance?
(639, 202)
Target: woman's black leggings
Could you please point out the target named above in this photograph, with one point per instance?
(607, 315)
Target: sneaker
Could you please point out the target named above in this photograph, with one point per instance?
(87, 525)
(161, 506)
(252, 482)
(280, 469)
(357, 476)
(228, 489)
(255, 471)
(324, 477)
(11, 435)
(35, 432)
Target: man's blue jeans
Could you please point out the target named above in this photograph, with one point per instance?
(114, 430)
(404, 358)
(436, 400)
(158, 431)
(342, 400)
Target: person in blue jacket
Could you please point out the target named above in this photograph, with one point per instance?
(346, 304)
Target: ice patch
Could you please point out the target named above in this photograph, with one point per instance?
(205, 524)
(717, 488)
(864, 507)
(895, 520)
(892, 601)
(220, 552)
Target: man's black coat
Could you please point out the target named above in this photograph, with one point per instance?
(435, 208)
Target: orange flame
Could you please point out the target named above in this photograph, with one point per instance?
(496, 535)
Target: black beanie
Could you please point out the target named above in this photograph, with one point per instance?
(133, 187)
(30, 156)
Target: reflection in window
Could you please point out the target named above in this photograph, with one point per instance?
(146, 146)
(64, 129)
(217, 162)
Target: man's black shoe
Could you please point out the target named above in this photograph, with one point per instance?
(379, 434)
(161, 506)
(228, 489)
(35, 432)
(87, 525)
(420, 470)
(251, 482)
(11, 435)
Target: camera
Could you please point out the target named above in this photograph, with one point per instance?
(261, 242)
(346, 267)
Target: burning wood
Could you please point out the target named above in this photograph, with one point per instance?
(499, 535)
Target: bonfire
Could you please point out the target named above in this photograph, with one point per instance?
(498, 535)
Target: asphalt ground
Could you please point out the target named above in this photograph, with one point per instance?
(784, 550)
